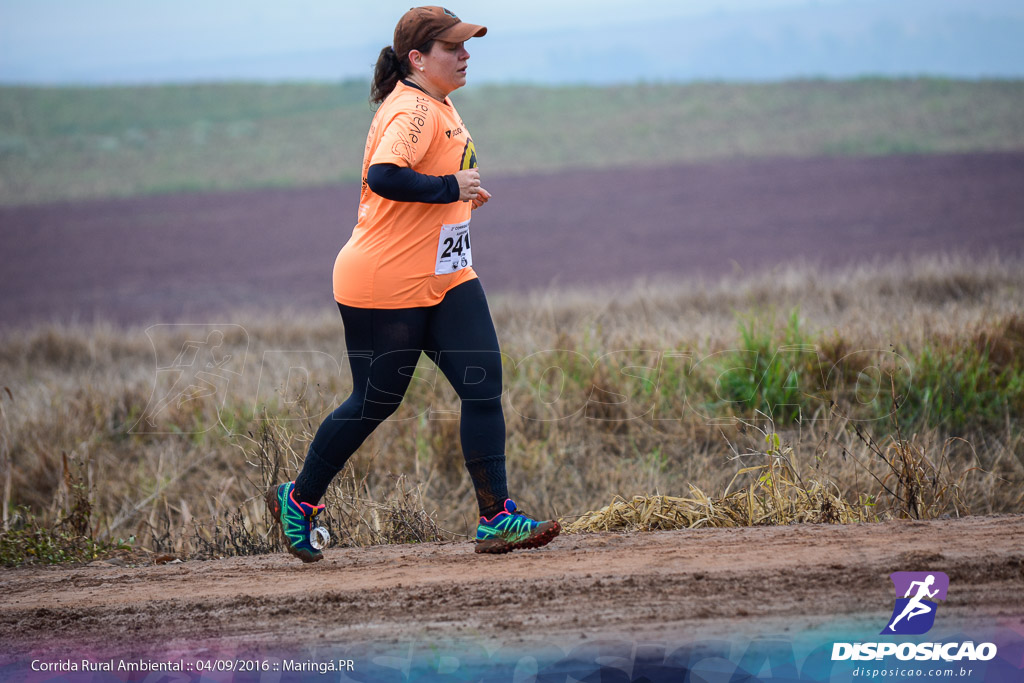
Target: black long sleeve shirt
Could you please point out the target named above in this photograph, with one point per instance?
(402, 184)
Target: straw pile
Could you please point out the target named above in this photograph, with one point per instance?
(772, 499)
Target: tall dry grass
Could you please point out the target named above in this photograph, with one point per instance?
(663, 388)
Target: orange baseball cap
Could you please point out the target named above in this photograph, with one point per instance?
(420, 25)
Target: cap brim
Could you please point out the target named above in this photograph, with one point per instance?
(461, 32)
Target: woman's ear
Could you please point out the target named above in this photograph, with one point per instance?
(416, 60)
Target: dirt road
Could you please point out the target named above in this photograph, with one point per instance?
(676, 586)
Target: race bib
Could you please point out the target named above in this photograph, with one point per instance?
(453, 250)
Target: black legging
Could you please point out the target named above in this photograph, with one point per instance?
(384, 347)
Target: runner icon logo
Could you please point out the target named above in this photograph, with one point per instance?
(917, 594)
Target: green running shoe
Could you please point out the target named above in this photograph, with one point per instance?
(509, 530)
(303, 536)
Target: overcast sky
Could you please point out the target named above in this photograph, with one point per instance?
(598, 41)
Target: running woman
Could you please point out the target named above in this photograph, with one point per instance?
(405, 285)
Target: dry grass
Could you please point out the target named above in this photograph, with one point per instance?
(776, 493)
(640, 408)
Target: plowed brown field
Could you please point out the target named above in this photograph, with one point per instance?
(183, 257)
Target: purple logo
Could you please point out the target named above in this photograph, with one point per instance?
(917, 594)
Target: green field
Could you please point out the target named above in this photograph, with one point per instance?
(69, 143)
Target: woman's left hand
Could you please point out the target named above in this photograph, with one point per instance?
(481, 198)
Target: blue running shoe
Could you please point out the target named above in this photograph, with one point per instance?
(509, 530)
(302, 534)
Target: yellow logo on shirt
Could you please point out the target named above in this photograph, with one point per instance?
(468, 155)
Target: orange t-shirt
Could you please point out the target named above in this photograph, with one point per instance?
(409, 254)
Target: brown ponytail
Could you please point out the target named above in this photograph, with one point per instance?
(386, 74)
(389, 70)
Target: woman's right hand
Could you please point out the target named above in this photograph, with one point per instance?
(469, 184)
